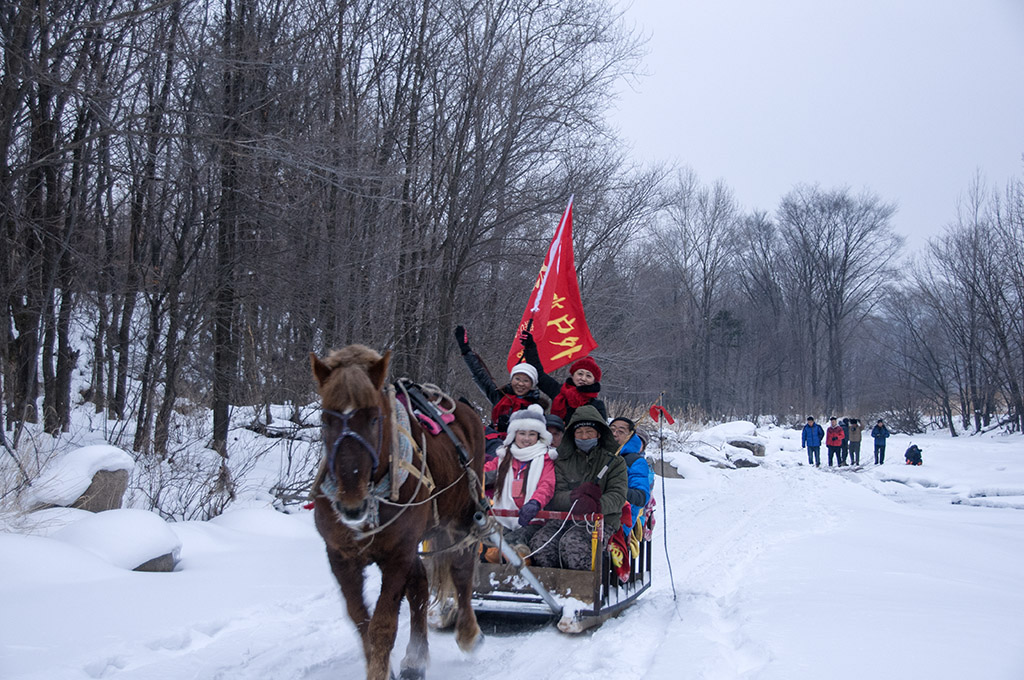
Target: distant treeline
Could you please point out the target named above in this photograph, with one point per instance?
(220, 188)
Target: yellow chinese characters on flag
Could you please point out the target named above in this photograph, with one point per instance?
(554, 312)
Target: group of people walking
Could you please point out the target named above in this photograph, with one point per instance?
(842, 439)
(552, 447)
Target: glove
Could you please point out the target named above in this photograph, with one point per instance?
(462, 338)
(587, 497)
(528, 512)
(530, 353)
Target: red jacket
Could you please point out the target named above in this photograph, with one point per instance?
(834, 436)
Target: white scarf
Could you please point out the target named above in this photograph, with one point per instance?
(505, 501)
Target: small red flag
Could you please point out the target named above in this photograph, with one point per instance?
(555, 307)
(657, 409)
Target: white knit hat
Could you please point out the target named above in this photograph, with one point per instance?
(530, 419)
(526, 369)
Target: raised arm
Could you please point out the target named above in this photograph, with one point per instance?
(477, 367)
(545, 383)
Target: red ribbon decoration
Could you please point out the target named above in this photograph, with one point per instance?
(656, 409)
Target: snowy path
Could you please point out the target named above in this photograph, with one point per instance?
(781, 572)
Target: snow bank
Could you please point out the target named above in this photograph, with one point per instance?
(45, 522)
(266, 522)
(32, 560)
(124, 538)
(66, 478)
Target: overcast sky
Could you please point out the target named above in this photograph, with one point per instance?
(909, 99)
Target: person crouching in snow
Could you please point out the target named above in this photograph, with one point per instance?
(581, 387)
(590, 477)
(524, 477)
(913, 455)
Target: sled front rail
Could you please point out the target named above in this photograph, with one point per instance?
(590, 596)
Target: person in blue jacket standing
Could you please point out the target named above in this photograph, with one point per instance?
(880, 433)
(811, 438)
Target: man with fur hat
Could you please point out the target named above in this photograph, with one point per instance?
(589, 478)
(522, 475)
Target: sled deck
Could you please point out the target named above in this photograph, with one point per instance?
(588, 598)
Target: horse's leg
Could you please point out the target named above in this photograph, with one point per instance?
(384, 622)
(467, 632)
(349, 574)
(417, 591)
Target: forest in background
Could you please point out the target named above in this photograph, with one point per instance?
(205, 192)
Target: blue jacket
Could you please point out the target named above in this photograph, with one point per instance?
(640, 478)
(812, 435)
(880, 434)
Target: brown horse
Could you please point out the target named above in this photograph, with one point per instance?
(361, 524)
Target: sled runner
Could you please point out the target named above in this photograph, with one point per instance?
(577, 599)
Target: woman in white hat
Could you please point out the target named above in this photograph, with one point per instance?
(524, 476)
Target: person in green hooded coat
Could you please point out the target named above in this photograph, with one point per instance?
(589, 478)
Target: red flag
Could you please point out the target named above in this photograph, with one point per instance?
(555, 307)
(656, 410)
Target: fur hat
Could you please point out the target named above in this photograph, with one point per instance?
(526, 369)
(588, 364)
(530, 419)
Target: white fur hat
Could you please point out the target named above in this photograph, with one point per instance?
(526, 369)
(530, 419)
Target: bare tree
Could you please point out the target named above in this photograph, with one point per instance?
(843, 253)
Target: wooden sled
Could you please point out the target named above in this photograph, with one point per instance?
(577, 599)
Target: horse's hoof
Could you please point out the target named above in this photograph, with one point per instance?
(413, 674)
(472, 644)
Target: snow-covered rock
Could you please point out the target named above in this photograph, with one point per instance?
(128, 539)
(91, 478)
(756, 445)
(726, 431)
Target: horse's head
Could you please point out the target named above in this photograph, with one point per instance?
(350, 381)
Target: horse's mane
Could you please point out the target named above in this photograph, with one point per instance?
(349, 384)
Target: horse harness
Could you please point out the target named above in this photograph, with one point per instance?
(414, 403)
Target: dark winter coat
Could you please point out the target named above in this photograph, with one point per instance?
(574, 467)
(880, 433)
(812, 435)
(503, 399)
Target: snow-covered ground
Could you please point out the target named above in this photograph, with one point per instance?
(781, 572)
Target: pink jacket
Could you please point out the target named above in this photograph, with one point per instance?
(545, 487)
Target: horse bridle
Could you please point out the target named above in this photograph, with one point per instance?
(347, 432)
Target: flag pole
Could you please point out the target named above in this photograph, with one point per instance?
(552, 256)
(664, 506)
